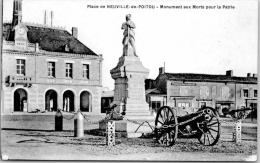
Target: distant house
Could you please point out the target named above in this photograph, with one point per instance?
(197, 90)
(46, 68)
(155, 99)
(107, 98)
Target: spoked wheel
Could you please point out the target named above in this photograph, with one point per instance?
(166, 130)
(209, 128)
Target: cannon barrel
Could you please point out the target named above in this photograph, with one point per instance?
(238, 110)
(231, 112)
(189, 116)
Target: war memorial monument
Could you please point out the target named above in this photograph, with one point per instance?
(129, 93)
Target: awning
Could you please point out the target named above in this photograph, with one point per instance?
(250, 99)
(225, 102)
(203, 99)
(182, 97)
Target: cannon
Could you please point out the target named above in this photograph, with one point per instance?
(240, 112)
(203, 125)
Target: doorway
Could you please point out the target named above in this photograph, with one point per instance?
(20, 100)
(68, 101)
(51, 100)
(85, 101)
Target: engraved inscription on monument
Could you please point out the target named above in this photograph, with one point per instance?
(136, 93)
(136, 88)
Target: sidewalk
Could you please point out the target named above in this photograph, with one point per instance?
(53, 113)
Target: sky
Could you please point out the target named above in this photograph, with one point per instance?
(204, 40)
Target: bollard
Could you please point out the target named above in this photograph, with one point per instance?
(58, 121)
(110, 133)
(237, 132)
(79, 125)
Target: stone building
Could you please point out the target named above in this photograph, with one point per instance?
(46, 68)
(197, 90)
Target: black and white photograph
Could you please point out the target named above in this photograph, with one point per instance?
(129, 80)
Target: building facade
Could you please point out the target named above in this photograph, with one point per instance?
(188, 90)
(46, 68)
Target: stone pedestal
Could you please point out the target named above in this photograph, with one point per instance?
(129, 76)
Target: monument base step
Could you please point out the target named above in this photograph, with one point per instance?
(138, 113)
(137, 107)
(141, 118)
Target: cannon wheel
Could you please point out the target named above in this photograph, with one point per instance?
(166, 135)
(210, 128)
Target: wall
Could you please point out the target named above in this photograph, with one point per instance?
(161, 82)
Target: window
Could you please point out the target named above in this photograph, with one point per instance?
(69, 70)
(85, 71)
(183, 104)
(225, 92)
(253, 106)
(20, 67)
(51, 69)
(255, 93)
(20, 6)
(203, 104)
(156, 105)
(16, 5)
(214, 91)
(245, 92)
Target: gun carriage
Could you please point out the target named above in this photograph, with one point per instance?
(203, 125)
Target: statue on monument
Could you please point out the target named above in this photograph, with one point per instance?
(129, 37)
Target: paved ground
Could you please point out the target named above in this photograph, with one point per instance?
(33, 137)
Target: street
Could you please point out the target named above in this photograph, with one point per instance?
(32, 137)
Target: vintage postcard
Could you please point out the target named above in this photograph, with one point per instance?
(129, 80)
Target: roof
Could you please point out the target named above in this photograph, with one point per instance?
(210, 78)
(51, 39)
(152, 91)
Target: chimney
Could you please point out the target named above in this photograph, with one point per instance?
(37, 47)
(48, 18)
(249, 75)
(161, 70)
(52, 15)
(45, 18)
(75, 32)
(17, 12)
(229, 73)
(255, 75)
